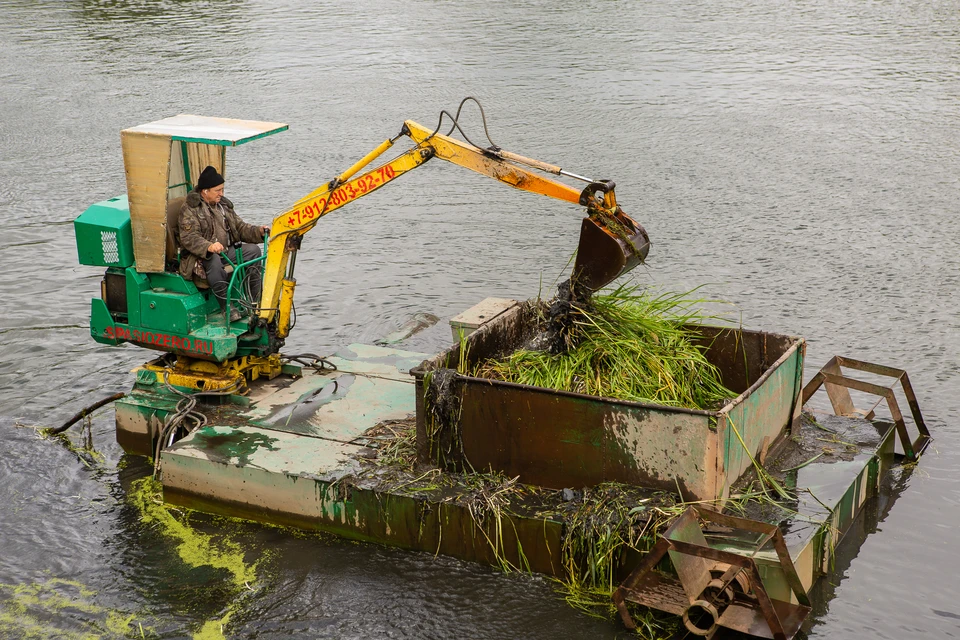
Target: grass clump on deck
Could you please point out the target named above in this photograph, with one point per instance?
(627, 344)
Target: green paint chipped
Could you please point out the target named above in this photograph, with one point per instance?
(223, 444)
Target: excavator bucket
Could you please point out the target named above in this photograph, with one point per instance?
(609, 247)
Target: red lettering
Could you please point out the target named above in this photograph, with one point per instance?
(166, 340)
(108, 332)
(187, 344)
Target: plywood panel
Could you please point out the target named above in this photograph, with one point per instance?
(219, 131)
(146, 159)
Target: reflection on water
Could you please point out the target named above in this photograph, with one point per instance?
(799, 160)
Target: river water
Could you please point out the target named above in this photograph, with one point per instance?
(800, 160)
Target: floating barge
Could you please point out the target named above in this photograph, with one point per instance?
(383, 445)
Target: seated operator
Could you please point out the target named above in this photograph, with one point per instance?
(209, 225)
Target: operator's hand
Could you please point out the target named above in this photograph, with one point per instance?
(216, 247)
(265, 229)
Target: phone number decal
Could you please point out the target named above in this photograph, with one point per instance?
(341, 196)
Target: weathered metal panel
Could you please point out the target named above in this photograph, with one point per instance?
(140, 416)
(208, 130)
(561, 439)
(570, 440)
(146, 159)
(287, 479)
(753, 421)
(742, 355)
(832, 497)
(342, 408)
(385, 362)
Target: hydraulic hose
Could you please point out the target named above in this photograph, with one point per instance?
(84, 413)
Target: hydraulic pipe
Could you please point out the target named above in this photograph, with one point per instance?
(84, 413)
(364, 161)
(543, 166)
(286, 307)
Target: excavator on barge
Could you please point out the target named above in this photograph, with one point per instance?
(145, 301)
(292, 445)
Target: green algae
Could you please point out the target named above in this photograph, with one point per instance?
(63, 610)
(213, 629)
(196, 549)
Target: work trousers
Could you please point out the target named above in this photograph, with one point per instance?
(219, 279)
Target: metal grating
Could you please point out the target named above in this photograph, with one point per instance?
(111, 252)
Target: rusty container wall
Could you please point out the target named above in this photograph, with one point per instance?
(751, 424)
(560, 439)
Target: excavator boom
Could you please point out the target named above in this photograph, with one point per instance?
(611, 243)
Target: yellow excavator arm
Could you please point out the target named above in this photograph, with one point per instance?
(611, 243)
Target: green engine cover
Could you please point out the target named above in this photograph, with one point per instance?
(103, 234)
(161, 311)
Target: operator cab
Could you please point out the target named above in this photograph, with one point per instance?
(162, 160)
(143, 298)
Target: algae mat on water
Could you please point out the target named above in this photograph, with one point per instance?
(67, 610)
(196, 549)
(62, 609)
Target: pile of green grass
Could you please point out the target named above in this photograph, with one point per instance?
(628, 344)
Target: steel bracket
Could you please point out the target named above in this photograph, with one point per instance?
(715, 588)
(831, 377)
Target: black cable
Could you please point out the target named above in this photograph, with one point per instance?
(456, 125)
(84, 413)
(185, 412)
(310, 360)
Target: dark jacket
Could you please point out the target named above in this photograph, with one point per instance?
(200, 226)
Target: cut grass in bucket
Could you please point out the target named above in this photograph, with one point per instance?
(627, 344)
